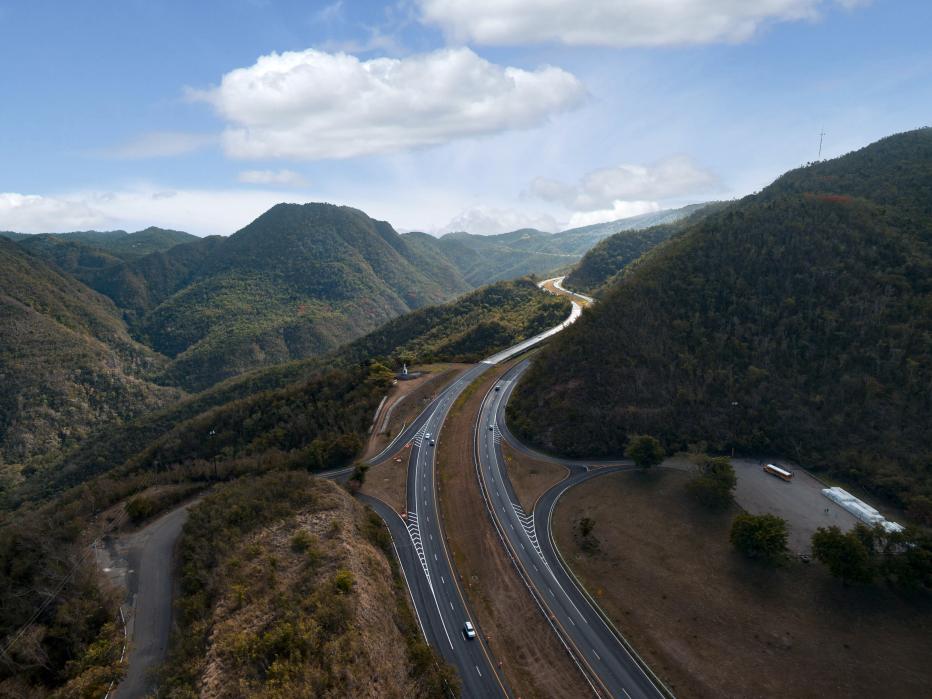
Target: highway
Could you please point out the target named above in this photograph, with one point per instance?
(417, 537)
(442, 610)
(419, 540)
(599, 652)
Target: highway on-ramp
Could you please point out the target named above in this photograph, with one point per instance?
(600, 653)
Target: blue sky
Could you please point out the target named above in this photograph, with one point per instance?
(486, 115)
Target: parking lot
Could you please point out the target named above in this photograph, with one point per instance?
(800, 501)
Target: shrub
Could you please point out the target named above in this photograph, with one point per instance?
(344, 581)
(139, 509)
(714, 485)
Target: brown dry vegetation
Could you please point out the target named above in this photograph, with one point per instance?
(531, 478)
(532, 658)
(713, 624)
(304, 604)
(388, 481)
(409, 398)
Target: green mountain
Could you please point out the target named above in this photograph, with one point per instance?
(298, 281)
(475, 325)
(611, 255)
(795, 322)
(67, 362)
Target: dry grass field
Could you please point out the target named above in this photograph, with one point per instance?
(712, 624)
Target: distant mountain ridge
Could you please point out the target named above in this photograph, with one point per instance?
(482, 259)
(299, 280)
(118, 243)
(611, 255)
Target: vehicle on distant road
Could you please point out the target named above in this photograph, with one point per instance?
(498, 387)
(433, 442)
(778, 472)
(468, 630)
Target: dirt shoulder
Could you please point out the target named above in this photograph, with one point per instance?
(388, 480)
(532, 659)
(531, 478)
(406, 400)
(715, 625)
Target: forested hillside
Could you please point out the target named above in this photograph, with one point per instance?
(67, 363)
(119, 244)
(795, 322)
(611, 255)
(297, 281)
(260, 404)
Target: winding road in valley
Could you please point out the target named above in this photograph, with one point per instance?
(601, 654)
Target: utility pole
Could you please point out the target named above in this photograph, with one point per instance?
(821, 136)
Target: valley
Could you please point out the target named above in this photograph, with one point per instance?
(561, 477)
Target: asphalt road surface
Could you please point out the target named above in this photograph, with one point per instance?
(149, 554)
(419, 540)
(425, 561)
(599, 653)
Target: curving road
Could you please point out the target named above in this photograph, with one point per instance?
(599, 651)
(419, 540)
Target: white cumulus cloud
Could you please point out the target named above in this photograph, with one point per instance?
(601, 189)
(614, 22)
(31, 213)
(315, 105)
(619, 209)
(288, 178)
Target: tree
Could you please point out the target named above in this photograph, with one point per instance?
(586, 525)
(759, 536)
(845, 555)
(715, 484)
(644, 450)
